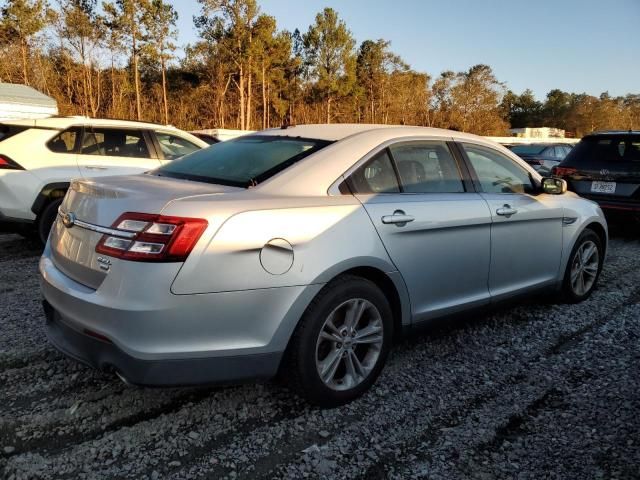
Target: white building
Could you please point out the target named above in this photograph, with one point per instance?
(19, 102)
(537, 132)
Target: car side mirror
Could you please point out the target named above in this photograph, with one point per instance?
(554, 186)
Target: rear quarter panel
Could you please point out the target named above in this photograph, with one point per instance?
(326, 240)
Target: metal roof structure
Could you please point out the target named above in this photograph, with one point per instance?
(22, 101)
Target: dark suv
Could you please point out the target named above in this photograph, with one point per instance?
(605, 167)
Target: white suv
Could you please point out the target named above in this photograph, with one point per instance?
(38, 158)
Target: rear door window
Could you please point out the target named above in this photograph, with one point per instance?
(375, 176)
(65, 142)
(427, 167)
(114, 142)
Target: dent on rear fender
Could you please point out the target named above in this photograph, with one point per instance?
(320, 239)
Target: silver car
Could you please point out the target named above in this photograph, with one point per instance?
(305, 250)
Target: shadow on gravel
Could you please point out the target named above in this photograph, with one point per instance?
(15, 246)
(623, 227)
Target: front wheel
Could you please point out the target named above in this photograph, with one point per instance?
(342, 342)
(583, 268)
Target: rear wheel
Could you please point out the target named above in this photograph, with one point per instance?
(342, 342)
(46, 218)
(583, 268)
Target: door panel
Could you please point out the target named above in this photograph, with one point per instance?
(526, 232)
(526, 246)
(442, 254)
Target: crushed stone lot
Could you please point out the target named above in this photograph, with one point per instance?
(539, 390)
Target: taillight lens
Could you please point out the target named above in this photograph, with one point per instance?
(7, 163)
(563, 171)
(156, 238)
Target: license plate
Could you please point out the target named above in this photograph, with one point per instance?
(603, 187)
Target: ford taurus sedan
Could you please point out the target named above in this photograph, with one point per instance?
(305, 250)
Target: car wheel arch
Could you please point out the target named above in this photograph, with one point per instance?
(48, 193)
(599, 230)
(390, 283)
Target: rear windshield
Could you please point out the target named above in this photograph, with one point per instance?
(605, 149)
(7, 130)
(528, 149)
(242, 162)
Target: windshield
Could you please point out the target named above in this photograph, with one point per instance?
(242, 162)
(528, 149)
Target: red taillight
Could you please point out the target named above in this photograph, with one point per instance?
(8, 164)
(152, 238)
(563, 171)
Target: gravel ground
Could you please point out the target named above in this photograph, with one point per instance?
(541, 390)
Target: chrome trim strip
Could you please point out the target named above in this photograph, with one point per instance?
(97, 228)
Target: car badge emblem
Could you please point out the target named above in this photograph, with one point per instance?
(604, 171)
(69, 219)
(104, 263)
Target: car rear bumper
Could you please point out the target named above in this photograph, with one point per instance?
(88, 348)
(137, 327)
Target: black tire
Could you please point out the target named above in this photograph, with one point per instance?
(568, 292)
(301, 369)
(46, 218)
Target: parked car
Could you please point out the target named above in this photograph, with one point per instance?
(215, 135)
(38, 159)
(305, 250)
(541, 156)
(605, 167)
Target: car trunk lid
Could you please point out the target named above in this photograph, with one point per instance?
(93, 205)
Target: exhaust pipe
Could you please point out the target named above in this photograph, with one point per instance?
(123, 379)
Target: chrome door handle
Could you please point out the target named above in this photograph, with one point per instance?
(96, 167)
(506, 210)
(398, 218)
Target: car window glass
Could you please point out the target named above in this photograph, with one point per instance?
(558, 153)
(632, 152)
(64, 142)
(114, 142)
(244, 162)
(598, 150)
(427, 168)
(174, 147)
(496, 172)
(376, 176)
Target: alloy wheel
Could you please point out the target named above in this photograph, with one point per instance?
(349, 344)
(584, 268)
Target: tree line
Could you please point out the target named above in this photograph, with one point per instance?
(119, 59)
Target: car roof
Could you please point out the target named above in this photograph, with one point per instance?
(340, 131)
(614, 132)
(540, 144)
(317, 172)
(58, 122)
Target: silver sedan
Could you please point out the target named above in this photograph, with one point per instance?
(305, 250)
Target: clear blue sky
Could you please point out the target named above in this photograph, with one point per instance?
(579, 46)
